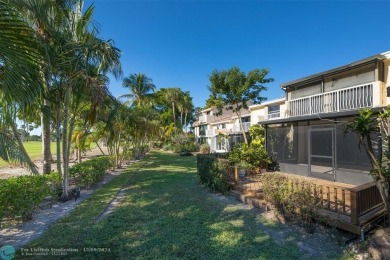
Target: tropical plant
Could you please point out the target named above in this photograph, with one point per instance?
(141, 88)
(254, 154)
(365, 124)
(19, 66)
(234, 90)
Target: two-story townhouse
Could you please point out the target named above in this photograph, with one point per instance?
(222, 131)
(269, 110)
(310, 138)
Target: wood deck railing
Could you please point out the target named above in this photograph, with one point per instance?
(354, 203)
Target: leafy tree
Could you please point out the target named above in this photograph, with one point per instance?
(235, 89)
(365, 125)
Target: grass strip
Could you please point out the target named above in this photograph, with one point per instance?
(164, 214)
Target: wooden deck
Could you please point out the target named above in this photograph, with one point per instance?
(353, 208)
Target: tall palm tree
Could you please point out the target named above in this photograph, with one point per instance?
(89, 57)
(141, 87)
(173, 95)
(187, 107)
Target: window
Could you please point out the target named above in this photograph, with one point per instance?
(221, 126)
(202, 129)
(273, 111)
(246, 119)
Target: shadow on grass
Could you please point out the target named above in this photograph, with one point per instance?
(165, 213)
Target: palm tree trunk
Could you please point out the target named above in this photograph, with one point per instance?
(46, 150)
(65, 150)
(174, 113)
(97, 144)
(185, 121)
(58, 142)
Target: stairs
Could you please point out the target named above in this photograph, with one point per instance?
(250, 197)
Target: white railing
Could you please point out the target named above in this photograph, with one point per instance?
(237, 128)
(339, 100)
(275, 114)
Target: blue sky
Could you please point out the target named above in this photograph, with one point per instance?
(179, 43)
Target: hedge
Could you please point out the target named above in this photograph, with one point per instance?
(19, 196)
(90, 172)
(212, 172)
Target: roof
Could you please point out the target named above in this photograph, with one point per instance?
(267, 103)
(319, 76)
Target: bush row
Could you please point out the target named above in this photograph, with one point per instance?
(293, 197)
(90, 172)
(20, 196)
(213, 172)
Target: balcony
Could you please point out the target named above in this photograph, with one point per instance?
(351, 98)
(237, 128)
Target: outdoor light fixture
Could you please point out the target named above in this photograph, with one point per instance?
(388, 91)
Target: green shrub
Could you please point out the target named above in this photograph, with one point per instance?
(90, 172)
(293, 197)
(254, 155)
(55, 183)
(204, 148)
(21, 195)
(184, 143)
(212, 172)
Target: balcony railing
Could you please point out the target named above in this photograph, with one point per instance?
(237, 128)
(334, 101)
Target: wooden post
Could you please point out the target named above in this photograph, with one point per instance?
(354, 208)
(343, 199)
(236, 176)
(336, 205)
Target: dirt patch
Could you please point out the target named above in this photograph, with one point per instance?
(16, 170)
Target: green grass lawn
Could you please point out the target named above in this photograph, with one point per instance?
(34, 149)
(164, 214)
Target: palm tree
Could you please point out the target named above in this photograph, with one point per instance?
(173, 95)
(89, 58)
(19, 66)
(186, 107)
(140, 86)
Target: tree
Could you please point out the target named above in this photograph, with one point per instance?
(185, 107)
(365, 125)
(19, 66)
(173, 96)
(233, 89)
(254, 154)
(141, 87)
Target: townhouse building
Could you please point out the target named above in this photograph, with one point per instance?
(310, 139)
